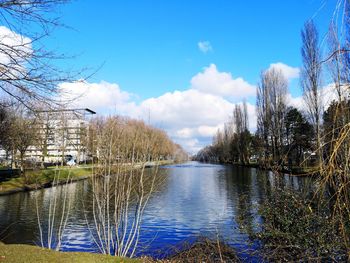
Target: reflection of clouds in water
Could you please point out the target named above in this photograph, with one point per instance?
(54, 194)
(76, 236)
(293, 182)
(193, 198)
(271, 177)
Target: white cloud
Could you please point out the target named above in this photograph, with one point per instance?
(199, 131)
(208, 131)
(188, 108)
(15, 51)
(205, 46)
(288, 71)
(191, 145)
(328, 95)
(212, 81)
(102, 97)
(191, 117)
(184, 133)
(296, 102)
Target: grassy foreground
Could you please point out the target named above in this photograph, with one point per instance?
(31, 254)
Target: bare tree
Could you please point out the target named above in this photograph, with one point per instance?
(271, 110)
(4, 126)
(311, 79)
(263, 116)
(24, 137)
(45, 132)
(27, 72)
(121, 184)
(18, 135)
(241, 138)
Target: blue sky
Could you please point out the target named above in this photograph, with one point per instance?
(149, 49)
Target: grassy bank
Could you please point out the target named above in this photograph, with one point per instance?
(203, 250)
(29, 254)
(42, 178)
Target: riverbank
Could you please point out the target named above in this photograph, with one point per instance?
(45, 178)
(203, 250)
(33, 254)
(294, 170)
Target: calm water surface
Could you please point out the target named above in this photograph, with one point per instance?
(196, 200)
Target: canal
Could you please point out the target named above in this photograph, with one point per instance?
(195, 200)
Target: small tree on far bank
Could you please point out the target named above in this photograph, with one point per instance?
(24, 137)
(299, 136)
(271, 110)
(18, 133)
(242, 138)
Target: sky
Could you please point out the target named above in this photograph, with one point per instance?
(182, 65)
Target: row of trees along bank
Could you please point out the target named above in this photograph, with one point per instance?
(21, 131)
(285, 135)
(131, 138)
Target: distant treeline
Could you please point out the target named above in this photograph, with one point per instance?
(131, 140)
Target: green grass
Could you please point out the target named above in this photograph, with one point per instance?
(49, 174)
(41, 177)
(32, 254)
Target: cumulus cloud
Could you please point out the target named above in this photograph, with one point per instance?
(192, 113)
(15, 51)
(200, 131)
(14, 46)
(212, 81)
(205, 46)
(328, 94)
(188, 108)
(191, 117)
(191, 145)
(288, 71)
(296, 102)
(102, 97)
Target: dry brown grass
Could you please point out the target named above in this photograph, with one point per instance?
(203, 250)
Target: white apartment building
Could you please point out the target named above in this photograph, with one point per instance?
(61, 136)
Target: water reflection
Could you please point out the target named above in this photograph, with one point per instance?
(195, 199)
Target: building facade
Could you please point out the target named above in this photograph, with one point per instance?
(61, 136)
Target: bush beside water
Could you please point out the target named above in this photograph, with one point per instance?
(297, 228)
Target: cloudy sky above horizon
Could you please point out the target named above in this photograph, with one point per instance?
(182, 65)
